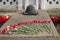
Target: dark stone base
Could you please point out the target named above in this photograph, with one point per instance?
(30, 13)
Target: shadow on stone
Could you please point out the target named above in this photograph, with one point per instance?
(1, 25)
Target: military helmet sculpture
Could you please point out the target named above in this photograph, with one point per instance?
(30, 10)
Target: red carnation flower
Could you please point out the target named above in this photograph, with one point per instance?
(46, 21)
(42, 21)
(4, 30)
(15, 25)
(34, 21)
(4, 19)
(10, 27)
(27, 22)
(1, 21)
(1, 17)
(21, 23)
(55, 19)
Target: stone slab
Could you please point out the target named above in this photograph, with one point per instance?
(43, 15)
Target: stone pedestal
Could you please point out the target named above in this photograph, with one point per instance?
(42, 36)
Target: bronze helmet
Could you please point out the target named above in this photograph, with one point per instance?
(30, 10)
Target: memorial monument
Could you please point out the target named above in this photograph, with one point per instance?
(29, 25)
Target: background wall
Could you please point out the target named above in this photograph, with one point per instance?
(22, 4)
(8, 5)
(43, 4)
(49, 4)
(39, 4)
(31, 2)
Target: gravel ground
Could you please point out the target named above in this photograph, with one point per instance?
(7, 13)
(54, 12)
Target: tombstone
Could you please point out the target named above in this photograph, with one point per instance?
(30, 10)
(44, 35)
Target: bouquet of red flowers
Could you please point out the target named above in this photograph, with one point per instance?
(4, 19)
